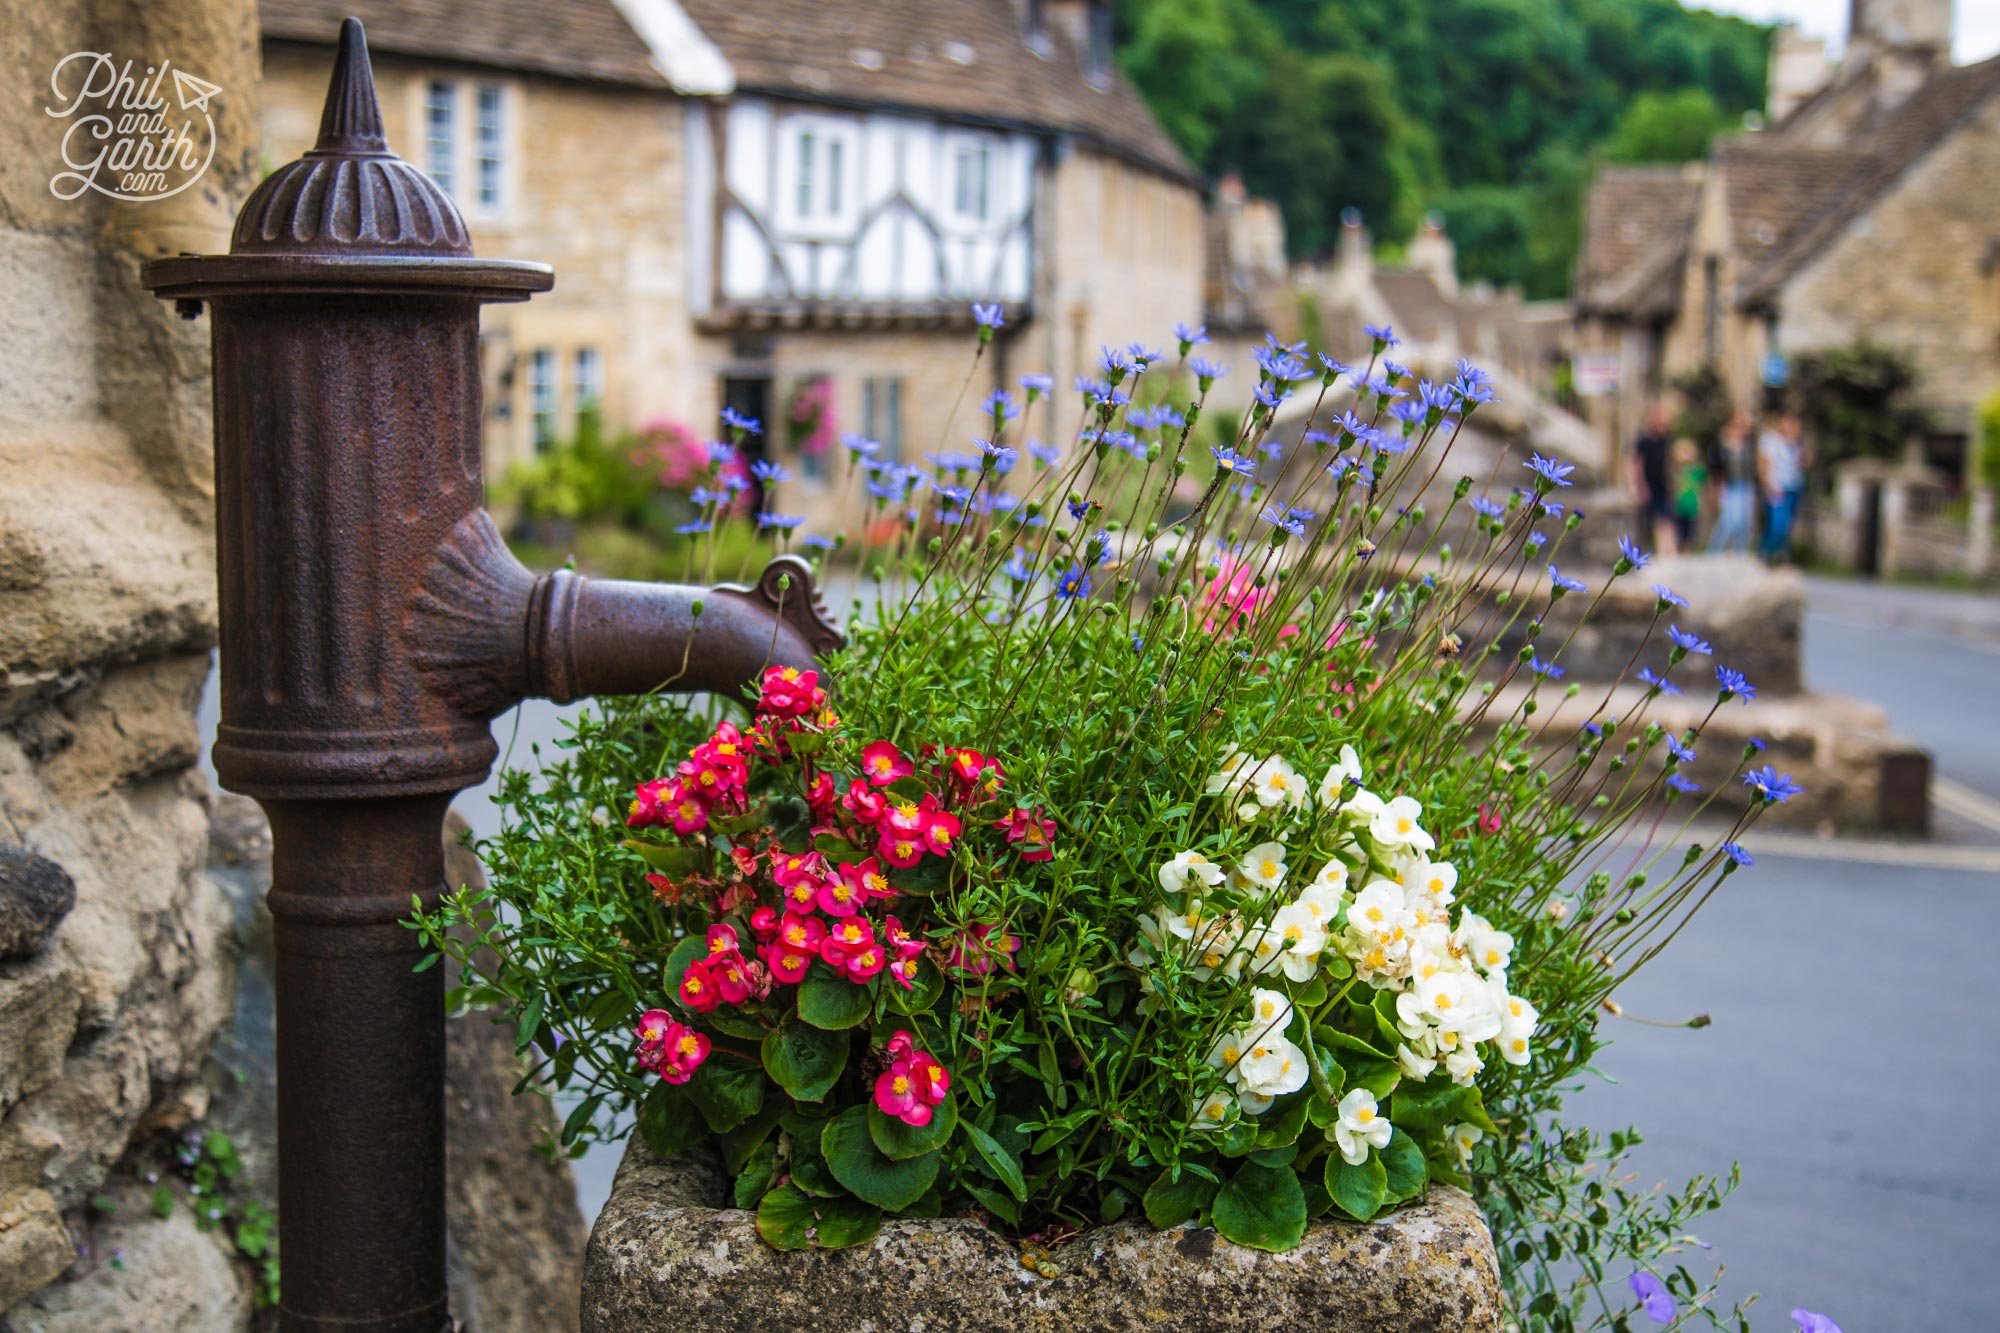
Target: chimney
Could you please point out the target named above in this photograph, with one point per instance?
(1887, 25)
(1433, 254)
(1354, 255)
(1086, 25)
(1799, 68)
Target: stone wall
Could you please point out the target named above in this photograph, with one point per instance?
(134, 973)
(106, 618)
(1915, 271)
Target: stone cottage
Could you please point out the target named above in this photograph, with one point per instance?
(1865, 209)
(759, 205)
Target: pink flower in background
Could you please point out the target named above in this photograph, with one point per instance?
(1235, 588)
(672, 453)
(810, 416)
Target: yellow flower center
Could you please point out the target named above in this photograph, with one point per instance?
(900, 1084)
(690, 1045)
(1365, 1114)
(1270, 869)
(1404, 823)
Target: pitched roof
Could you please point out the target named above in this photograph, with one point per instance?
(960, 58)
(1896, 141)
(1636, 224)
(580, 39)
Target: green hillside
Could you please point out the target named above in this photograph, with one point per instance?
(1490, 111)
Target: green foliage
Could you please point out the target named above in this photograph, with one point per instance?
(1860, 400)
(1162, 658)
(1489, 110)
(591, 475)
(1988, 442)
(1671, 126)
(209, 1171)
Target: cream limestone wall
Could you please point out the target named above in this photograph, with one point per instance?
(1122, 256)
(1916, 271)
(595, 186)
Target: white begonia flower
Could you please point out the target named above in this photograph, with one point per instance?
(1414, 1066)
(1303, 935)
(1227, 1053)
(1276, 783)
(1332, 875)
(1442, 997)
(1233, 761)
(1463, 1064)
(1213, 1113)
(1378, 911)
(1252, 1103)
(1333, 787)
(1186, 923)
(1395, 825)
(1322, 900)
(1263, 950)
(1264, 866)
(1154, 932)
(1489, 949)
(1517, 1026)
(1217, 949)
(1363, 805)
(1463, 1139)
(1270, 1013)
(1186, 866)
(1435, 880)
(1360, 1127)
(1273, 1067)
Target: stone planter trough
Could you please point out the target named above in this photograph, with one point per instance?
(664, 1256)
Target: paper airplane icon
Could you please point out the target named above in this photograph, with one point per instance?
(194, 93)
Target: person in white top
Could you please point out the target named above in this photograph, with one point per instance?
(1781, 477)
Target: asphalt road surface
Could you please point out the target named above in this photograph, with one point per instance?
(1851, 1067)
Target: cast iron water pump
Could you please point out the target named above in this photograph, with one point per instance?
(373, 623)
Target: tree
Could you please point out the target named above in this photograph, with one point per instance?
(1859, 399)
(1667, 127)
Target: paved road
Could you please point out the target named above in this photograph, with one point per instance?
(1844, 1069)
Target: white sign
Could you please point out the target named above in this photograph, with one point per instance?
(127, 139)
(1595, 374)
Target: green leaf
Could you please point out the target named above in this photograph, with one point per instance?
(1436, 1103)
(902, 1141)
(1283, 1129)
(1342, 1041)
(1000, 1205)
(805, 1060)
(580, 1116)
(790, 1220)
(827, 999)
(726, 1092)
(739, 1143)
(531, 1021)
(736, 1023)
(1169, 1202)
(865, 1170)
(909, 788)
(668, 1120)
(1358, 1191)
(1006, 1168)
(836, 848)
(689, 950)
(809, 1169)
(1262, 1207)
(1404, 1172)
(675, 861)
(755, 1177)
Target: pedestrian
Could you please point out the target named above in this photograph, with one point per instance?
(1735, 468)
(1781, 474)
(1650, 489)
(1690, 479)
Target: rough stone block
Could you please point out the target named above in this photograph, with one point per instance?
(662, 1248)
(34, 1245)
(35, 895)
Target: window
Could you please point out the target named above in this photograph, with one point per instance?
(817, 156)
(542, 397)
(882, 416)
(972, 179)
(587, 380)
(440, 133)
(486, 131)
(471, 168)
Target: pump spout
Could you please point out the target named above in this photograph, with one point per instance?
(599, 636)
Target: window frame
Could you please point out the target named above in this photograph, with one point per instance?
(818, 181)
(544, 388)
(882, 397)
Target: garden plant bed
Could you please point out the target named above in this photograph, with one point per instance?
(662, 1247)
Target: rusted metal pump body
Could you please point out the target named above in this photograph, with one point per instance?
(373, 622)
